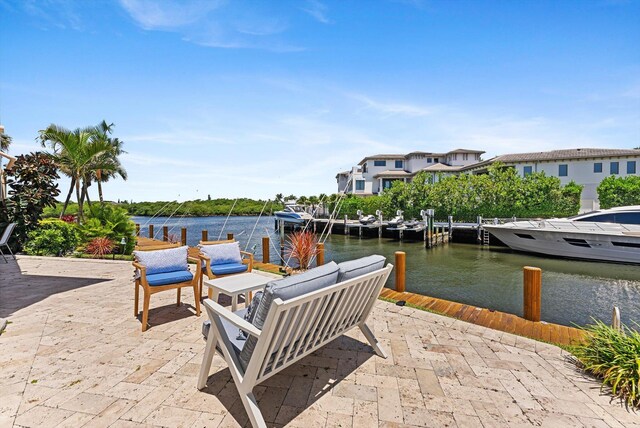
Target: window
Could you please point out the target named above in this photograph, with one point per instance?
(528, 170)
(625, 218)
(360, 185)
(429, 160)
(379, 163)
(455, 156)
(399, 164)
(435, 160)
(364, 168)
(614, 168)
(631, 167)
(465, 156)
(563, 170)
(597, 167)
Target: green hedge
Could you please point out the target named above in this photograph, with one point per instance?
(619, 191)
(52, 238)
(500, 193)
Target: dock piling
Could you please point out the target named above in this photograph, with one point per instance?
(137, 229)
(320, 254)
(183, 236)
(229, 236)
(151, 234)
(532, 293)
(165, 233)
(400, 271)
(265, 249)
(205, 235)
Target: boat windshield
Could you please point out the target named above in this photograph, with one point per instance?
(616, 217)
(295, 208)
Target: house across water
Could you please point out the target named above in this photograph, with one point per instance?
(587, 167)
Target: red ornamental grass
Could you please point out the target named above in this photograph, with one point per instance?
(100, 247)
(301, 246)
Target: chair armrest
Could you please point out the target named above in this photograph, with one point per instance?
(196, 260)
(142, 268)
(250, 255)
(232, 318)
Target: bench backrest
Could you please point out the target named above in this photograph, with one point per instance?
(7, 233)
(297, 327)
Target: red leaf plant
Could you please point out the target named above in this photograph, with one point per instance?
(100, 247)
(301, 246)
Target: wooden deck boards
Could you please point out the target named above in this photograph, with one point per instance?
(497, 320)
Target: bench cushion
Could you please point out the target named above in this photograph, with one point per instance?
(354, 268)
(228, 268)
(237, 340)
(166, 278)
(160, 261)
(222, 253)
(285, 289)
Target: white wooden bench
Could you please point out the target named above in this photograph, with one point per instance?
(292, 330)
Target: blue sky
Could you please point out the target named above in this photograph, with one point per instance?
(253, 98)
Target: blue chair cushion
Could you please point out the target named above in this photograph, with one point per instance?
(237, 339)
(166, 278)
(160, 261)
(285, 289)
(228, 268)
(354, 268)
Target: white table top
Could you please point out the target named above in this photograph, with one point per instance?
(241, 283)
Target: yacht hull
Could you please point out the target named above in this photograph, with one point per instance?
(611, 247)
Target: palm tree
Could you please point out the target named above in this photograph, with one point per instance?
(115, 168)
(313, 200)
(78, 154)
(5, 142)
(323, 202)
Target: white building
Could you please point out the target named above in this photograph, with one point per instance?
(587, 167)
(376, 173)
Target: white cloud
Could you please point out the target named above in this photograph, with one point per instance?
(392, 109)
(318, 10)
(168, 14)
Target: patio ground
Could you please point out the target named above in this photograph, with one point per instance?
(73, 355)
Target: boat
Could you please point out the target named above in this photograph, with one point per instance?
(397, 221)
(611, 235)
(366, 219)
(293, 213)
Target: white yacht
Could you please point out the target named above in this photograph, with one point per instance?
(611, 235)
(293, 213)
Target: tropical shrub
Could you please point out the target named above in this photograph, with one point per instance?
(52, 238)
(32, 188)
(100, 247)
(500, 193)
(613, 356)
(109, 221)
(619, 191)
(301, 246)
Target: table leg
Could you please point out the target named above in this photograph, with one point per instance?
(214, 294)
(234, 303)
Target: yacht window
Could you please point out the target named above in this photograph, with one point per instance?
(563, 170)
(624, 218)
(597, 167)
(631, 167)
(614, 168)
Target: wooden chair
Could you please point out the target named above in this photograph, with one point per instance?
(143, 280)
(247, 259)
(292, 330)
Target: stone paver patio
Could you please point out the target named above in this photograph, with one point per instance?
(73, 355)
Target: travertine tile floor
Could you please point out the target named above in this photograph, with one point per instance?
(73, 355)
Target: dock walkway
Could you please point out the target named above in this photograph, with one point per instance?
(508, 323)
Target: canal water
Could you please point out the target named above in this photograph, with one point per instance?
(573, 292)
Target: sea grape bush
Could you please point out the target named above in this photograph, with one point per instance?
(500, 193)
(52, 237)
(619, 191)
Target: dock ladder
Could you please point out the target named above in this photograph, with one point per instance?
(485, 236)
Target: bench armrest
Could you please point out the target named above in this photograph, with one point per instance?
(234, 319)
